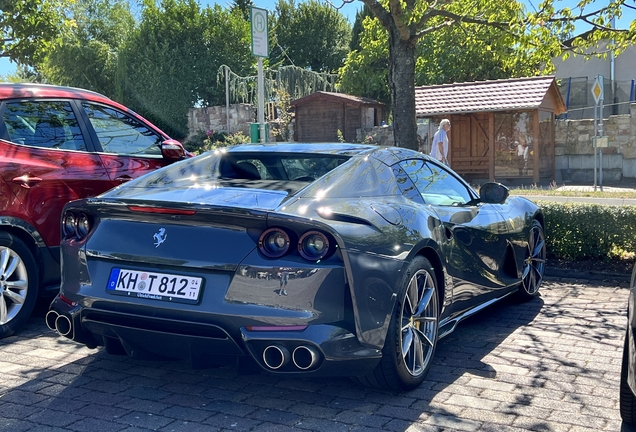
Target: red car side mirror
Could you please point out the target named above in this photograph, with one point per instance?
(172, 150)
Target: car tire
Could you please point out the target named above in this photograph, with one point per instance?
(18, 283)
(534, 263)
(412, 336)
(627, 398)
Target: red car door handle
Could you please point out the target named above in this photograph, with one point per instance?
(26, 182)
(123, 178)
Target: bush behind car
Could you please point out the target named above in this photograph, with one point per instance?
(584, 231)
(203, 141)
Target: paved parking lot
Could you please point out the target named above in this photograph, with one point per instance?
(551, 364)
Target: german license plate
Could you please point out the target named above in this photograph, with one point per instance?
(154, 286)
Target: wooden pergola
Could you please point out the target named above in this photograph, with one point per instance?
(492, 124)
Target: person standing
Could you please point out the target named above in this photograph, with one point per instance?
(284, 278)
(439, 145)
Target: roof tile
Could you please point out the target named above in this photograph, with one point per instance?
(497, 95)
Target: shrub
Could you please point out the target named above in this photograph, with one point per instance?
(231, 140)
(203, 141)
(340, 136)
(580, 230)
(280, 125)
(199, 142)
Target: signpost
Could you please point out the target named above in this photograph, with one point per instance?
(599, 140)
(260, 48)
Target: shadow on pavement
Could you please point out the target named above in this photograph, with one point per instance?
(493, 370)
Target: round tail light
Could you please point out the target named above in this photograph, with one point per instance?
(313, 245)
(274, 243)
(83, 226)
(68, 224)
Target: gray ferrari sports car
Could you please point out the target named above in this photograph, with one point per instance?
(312, 259)
(628, 366)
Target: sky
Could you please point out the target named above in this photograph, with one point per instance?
(350, 9)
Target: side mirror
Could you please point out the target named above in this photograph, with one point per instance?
(172, 150)
(493, 193)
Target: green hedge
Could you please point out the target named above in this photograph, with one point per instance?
(581, 231)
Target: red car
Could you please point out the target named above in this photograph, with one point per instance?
(59, 144)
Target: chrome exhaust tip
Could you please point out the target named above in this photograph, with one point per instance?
(63, 325)
(305, 357)
(51, 317)
(275, 357)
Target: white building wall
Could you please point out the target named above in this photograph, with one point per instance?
(579, 68)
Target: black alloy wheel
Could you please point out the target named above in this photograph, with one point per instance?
(534, 263)
(412, 337)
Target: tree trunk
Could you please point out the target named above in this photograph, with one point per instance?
(402, 85)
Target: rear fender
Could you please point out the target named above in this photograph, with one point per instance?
(22, 229)
(47, 258)
(375, 257)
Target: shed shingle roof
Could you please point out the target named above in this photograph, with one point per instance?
(336, 97)
(485, 96)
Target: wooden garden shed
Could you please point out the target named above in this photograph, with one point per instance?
(501, 130)
(321, 115)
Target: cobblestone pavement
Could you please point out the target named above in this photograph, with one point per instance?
(551, 364)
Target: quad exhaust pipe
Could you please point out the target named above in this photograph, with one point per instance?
(59, 323)
(51, 316)
(303, 357)
(63, 325)
(64, 318)
(275, 356)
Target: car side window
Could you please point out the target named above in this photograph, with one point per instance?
(436, 185)
(120, 133)
(46, 124)
(309, 169)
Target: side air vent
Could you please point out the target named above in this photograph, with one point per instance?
(344, 218)
(509, 265)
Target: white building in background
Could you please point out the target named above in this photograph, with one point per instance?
(576, 76)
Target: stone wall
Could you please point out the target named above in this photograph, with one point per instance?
(574, 149)
(381, 135)
(215, 118)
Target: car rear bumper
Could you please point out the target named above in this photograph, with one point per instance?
(313, 350)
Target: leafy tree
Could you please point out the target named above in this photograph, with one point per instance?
(88, 56)
(244, 6)
(226, 41)
(23, 73)
(366, 69)
(460, 53)
(408, 21)
(357, 29)
(171, 61)
(309, 35)
(471, 52)
(31, 27)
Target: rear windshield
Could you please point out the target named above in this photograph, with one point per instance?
(243, 166)
(337, 175)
